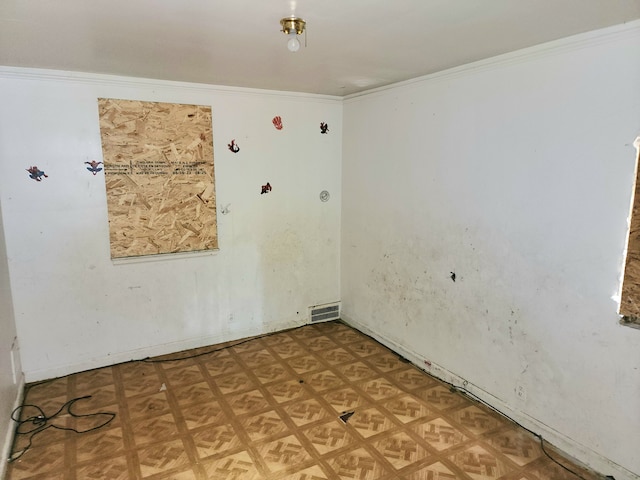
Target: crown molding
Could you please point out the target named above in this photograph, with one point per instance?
(556, 47)
(100, 79)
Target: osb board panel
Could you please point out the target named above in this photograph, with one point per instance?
(159, 175)
(630, 301)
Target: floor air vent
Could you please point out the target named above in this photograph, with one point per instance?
(328, 311)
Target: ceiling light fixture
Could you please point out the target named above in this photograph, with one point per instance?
(293, 26)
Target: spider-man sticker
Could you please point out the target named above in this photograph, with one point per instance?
(36, 173)
(93, 166)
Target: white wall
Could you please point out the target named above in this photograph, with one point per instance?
(10, 373)
(516, 174)
(279, 252)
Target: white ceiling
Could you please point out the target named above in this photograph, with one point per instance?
(352, 45)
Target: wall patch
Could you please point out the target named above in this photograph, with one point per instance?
(159, 177)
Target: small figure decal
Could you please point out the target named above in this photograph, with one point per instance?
(36, 173)
(93, 166)
(233, 146)
(277, 122)
(324, 128)
(266, 188)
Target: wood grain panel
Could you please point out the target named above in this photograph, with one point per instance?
(630, 301)
(159, 174)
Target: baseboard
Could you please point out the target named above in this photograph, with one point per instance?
(569, 446)
(155, 350)
(10, 430)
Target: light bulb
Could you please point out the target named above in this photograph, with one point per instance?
(293, 44)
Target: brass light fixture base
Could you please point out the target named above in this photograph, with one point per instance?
(291, 24)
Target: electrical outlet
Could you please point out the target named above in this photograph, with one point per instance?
(521, 392)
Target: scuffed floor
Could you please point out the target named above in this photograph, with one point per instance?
(270, 409)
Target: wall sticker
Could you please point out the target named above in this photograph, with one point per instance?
(93, 166)
(266, 188)
(324, 128)
(36, 173)
(233, 146)
(277, 122)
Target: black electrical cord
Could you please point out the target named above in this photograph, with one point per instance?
(219, 349)
(451, 385)
(466, 392)
(187, 357)
(35, 424)
(456, 388)
(40, 421)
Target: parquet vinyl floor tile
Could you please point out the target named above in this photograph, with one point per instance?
(321, 402)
